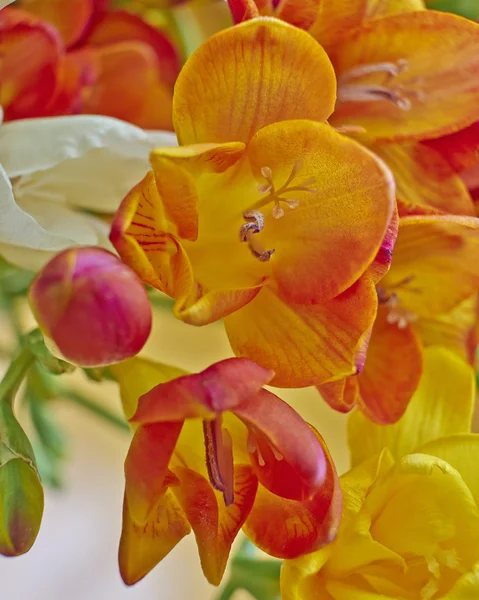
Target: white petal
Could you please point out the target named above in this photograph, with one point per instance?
(83, 160)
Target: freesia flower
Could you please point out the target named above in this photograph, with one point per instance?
(266, 470)
(267, 222)
(61, 178)
(410, 521)
(434, 271)
(92, 306)
(80, 57)
(393, 93)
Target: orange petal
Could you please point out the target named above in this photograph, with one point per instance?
(382, 262)
(391, 372)
(70, 19)
(443, 94)
(289, 528)
(340, 223)
(243, 10)
(146, 467)
(129, 86)
(305, 345)
(214, 524)
(341, 395)
(31, 52)
(459, 149)
(287, 457)
(425, 182)
(435, 264)
(220, 387)
(265, 71)
(122, 26)
(143, 546)
(300, 13)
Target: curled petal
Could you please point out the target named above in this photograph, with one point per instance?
(341, 395)
(429, 415)
(442, 94)
(288, 458)
(382, 262)
(289, 528)
(214, 524)
(305, 345)
(435, 264)
(144, 545)
(264, 70)
(243, 10)
(424, 180)
(327, 242)
(223, 386)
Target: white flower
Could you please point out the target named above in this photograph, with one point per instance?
(54, 170)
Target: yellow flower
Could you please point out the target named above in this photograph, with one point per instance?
(410, 526)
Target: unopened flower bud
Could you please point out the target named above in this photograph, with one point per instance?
(92, 306)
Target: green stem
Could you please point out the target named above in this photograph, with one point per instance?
(226, 593)
(95, 408)
(15, 374)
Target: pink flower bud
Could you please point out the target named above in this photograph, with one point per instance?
(92, 306)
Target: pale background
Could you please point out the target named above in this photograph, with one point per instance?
(75, 555)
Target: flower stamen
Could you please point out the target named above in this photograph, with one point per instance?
(254, 224)
(219, 458)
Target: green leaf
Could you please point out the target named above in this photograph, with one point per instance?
(21, 492)
(464, 8)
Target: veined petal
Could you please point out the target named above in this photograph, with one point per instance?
(391, 372)
(69, 19)
(459, 149)
(214, 524)
(128, 86)
(459, 451)
(144, 545)
(442, 405)
(146, 467)
(136, 376)
(435, 264)
(425, 182)
(220, 387)
(305, 345)
(287, 457)
(264, 72)
(442, 94)
(122, 26)
(339, 225)
(31, 51)
(288, 528)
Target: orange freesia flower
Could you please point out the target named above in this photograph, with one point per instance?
(266, 470)
(267, 222)
(427, 298)
(393, 93)
(96, 61)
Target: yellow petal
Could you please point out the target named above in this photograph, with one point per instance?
(339, 225)
(305, 345)
(442, 405)
(435, 265)
(264, 71)
(442, 93)
(425, 182)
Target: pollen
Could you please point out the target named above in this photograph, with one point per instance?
(352, 89)
(254, 225)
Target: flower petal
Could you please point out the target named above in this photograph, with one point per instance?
(304, 345)
(288, 459)
(442, 405)
(459, 149)
(425, 181)
(31, 51)
(214, 524)
(339, 225)
(264, 69)
(435, 264)
(146, 467)
(443, 95)
(69, 19)
(137, 376)
(144, 545)
(220, 387)
(289, 528)
(341, 395)
(122, 26)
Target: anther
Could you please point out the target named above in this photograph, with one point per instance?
(254, 225)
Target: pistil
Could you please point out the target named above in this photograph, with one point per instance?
(219, 458)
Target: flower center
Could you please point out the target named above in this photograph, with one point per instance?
(386, 88)
(397, 313)
(442, 559)
(219, 458)
(255, 219)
